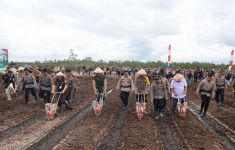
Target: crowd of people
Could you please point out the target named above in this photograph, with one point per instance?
(156, 86)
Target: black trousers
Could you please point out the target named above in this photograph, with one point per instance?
(141, 98)
(33, 92)
(205, 101)
(46, 95)
(69, 94)
(220, 96)
(61, 99)
(158, 104)
(124, 97)
(175, 101)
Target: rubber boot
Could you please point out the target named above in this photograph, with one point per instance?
(9, 97)
(200, 112)
(156, 115)
(67, 105)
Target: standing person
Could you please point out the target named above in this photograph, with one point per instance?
(45, 86)
(159, 94)
(179, 89)
(195, 75)
(189, 77)
(142, 87)
(99, 83)
(70, 82)
(126, 85)
(29, 84)
(206, 90)
(9, 84)
(167, 84)
(76, 83)
(19, 78)
(233, 86)
(221, 86)
(59, 88)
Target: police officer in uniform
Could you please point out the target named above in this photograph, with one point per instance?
(70, 82)
(167, 84)
(60, 88)
(45, 86)
(221, 85)
(29, 84)
(206, 90)
(126, 85)
(159, 94)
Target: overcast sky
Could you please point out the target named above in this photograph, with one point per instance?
(198, 30)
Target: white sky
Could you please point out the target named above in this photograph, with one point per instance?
(199, 30)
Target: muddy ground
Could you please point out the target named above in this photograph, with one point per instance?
(25, 127)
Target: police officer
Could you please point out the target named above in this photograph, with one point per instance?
(29, 84)
(9, 84)
(126, 85)
(59, 88)
(45, 86)
(221, 85)
(159, 94)
(70, 82)
(206, 90)
(167, 84)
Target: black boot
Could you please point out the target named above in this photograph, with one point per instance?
(200, 112)
(67, 105)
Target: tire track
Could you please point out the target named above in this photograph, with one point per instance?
(215, 127)
(110, 140)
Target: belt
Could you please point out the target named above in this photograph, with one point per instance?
(126, 86)
(206, 91)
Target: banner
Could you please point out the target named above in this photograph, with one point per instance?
(3, 58)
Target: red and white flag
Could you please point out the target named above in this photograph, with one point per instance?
(169, 55)
(231, 60)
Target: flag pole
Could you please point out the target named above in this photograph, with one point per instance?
(231, 61)
(169, 55)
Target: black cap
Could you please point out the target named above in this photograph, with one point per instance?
(210, 74)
